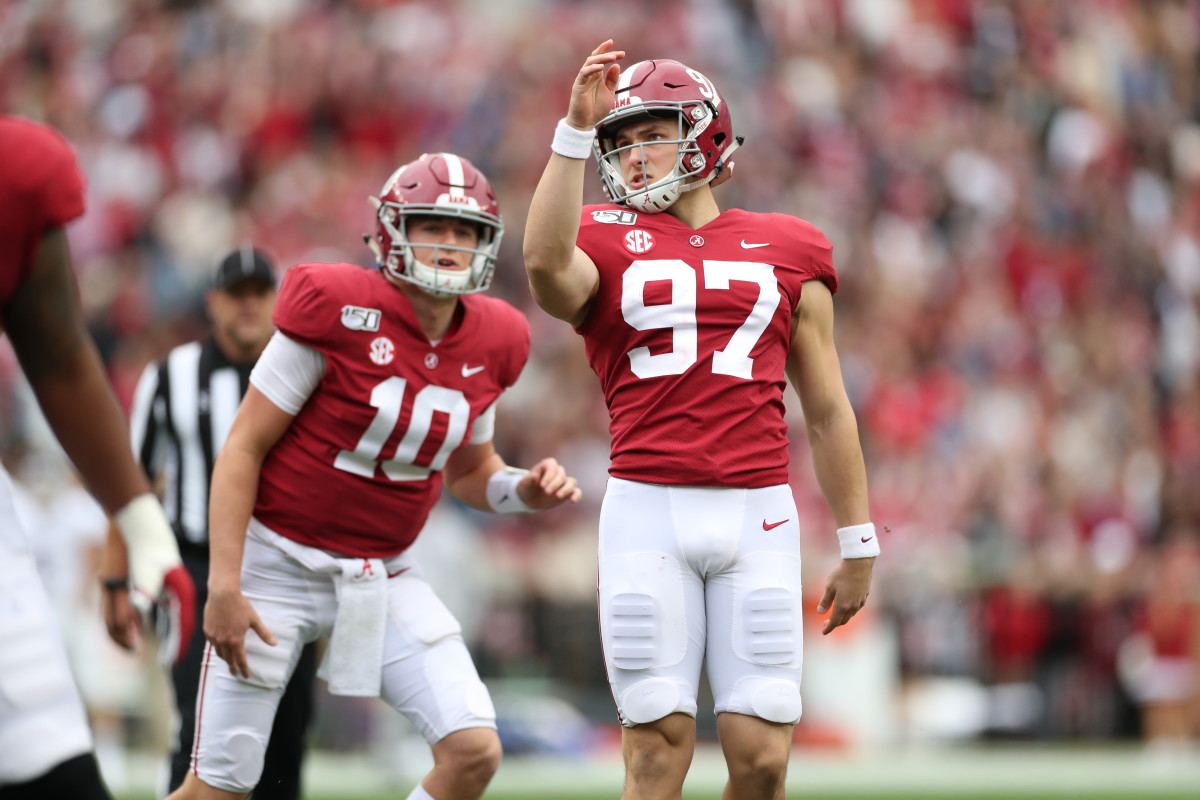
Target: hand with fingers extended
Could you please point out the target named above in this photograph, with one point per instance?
(593, 93)
(846, 591)
(548, 485)
(227, 617)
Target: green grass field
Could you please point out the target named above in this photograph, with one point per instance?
(1026, 772)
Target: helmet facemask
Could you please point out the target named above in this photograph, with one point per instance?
(704, 139)
(400, 260)
(691, 119)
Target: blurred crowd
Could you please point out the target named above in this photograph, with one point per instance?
(1012, 188)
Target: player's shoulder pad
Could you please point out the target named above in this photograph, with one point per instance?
(48, 172)
(312, 295)
(40, 144)
(499, 317)
(800, 231)
(506, 333)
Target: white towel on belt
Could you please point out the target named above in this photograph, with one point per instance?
(353, 663)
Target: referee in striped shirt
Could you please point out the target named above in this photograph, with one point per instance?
(181, 414)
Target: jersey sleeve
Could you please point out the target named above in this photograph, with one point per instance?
(304, 310)
(816, 254)
(287, 373)
(518, 327)
(62, 187)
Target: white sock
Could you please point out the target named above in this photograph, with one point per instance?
(419, 793)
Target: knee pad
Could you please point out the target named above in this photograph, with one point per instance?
(772, 699)
(768, 632)
(234, 762)
(652, 699)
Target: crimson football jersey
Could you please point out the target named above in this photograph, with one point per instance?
(689, 333)
(360, 466)
(40, 187)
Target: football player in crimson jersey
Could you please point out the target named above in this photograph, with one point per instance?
(376, 384)
(45, 743)
(694, 319)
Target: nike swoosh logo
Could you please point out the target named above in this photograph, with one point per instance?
(767, 527)
(398, 572)
(469, 371)
(866, 539)
(749, 246)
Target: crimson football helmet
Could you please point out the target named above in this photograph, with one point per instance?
(445, 185)
(705, 140)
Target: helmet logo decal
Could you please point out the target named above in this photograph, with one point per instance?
(383, 352)
(639, 241)
(431, 361)
(706, 89)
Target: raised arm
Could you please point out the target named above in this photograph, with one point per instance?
(562, 278)
(816, 375)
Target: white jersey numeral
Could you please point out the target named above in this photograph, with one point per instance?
(388, 397)
(679, 315)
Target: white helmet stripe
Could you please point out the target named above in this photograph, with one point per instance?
(454, 170)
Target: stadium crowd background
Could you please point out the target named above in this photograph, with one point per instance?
(1013, 192)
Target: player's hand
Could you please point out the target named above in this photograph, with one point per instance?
(846, 592)
(227, 617)
(592, 94)
(548, 485)
(161, 589)
(122, 620)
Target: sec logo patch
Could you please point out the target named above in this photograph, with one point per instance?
(639, 241)
(383, 352)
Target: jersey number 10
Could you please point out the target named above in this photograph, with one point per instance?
(388, 397)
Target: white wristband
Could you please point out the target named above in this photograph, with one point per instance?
(859, 541)
(571, 142)
(502, 493)
(153, 550)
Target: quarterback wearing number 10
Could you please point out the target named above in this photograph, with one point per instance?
(377, 384)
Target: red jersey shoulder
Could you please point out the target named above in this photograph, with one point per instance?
(805, 243)
(46, 175)
(500, 331)
(316, 299)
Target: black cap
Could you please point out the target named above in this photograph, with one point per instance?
(244, 264)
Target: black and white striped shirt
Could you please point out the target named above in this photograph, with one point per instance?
(182, 410)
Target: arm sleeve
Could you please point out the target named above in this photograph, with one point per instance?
(484, 427)
(288, 372)
(62, 194)
(820, 258)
